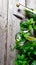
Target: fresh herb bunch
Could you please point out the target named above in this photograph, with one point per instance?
(26, 42)
(30, 13)
(27, 53)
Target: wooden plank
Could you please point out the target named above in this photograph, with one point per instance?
(11, 31)
(3, 20)
(5, 23)
(31, 4)
(13, 28)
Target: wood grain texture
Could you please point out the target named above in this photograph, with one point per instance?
(13, 28)
(3, 20)
(31, 4)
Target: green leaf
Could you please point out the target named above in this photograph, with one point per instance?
(33, 63)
